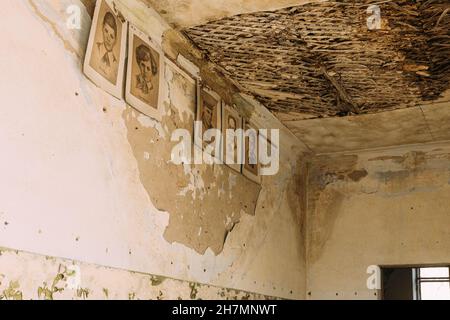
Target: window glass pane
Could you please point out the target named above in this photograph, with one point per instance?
(434, 272)
(435, 291)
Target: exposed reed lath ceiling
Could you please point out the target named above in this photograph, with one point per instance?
(321, 59)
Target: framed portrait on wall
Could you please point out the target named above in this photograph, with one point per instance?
(233, 144)
(208, 115)
(251, 166)
(145, 72)
(182, 81)
(272, 151)
(104, 62)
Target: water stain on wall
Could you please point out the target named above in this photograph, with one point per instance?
(324, 202)
(381, 174)
(410, 160)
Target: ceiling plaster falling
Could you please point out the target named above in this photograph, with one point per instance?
(321, 59)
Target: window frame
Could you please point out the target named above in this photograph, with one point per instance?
(418, 280)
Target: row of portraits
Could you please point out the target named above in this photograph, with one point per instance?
(106, 62)
(118, 52)
(213, 113)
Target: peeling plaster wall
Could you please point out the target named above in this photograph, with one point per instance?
(87, 178)
(56, 279)
(385, 208)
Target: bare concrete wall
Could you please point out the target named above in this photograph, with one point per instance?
(88, 178)
(388, 208)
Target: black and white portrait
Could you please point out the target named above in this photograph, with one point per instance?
(105, 57)
(233, 137)
(148, 69)
(209, 113)
(144, 73)
(251, 166)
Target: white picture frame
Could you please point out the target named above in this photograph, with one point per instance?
(210, 118)
(231, 119)
(145, 74)
(274, 148)
(251, 171)
(104, 63)
(190, 79)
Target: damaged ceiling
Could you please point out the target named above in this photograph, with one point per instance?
(310, 60)
(321, 59)
(187, 13)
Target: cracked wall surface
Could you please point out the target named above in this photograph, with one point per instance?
(58, 279)
(204, 202)
(381, 208)
(88, 178)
